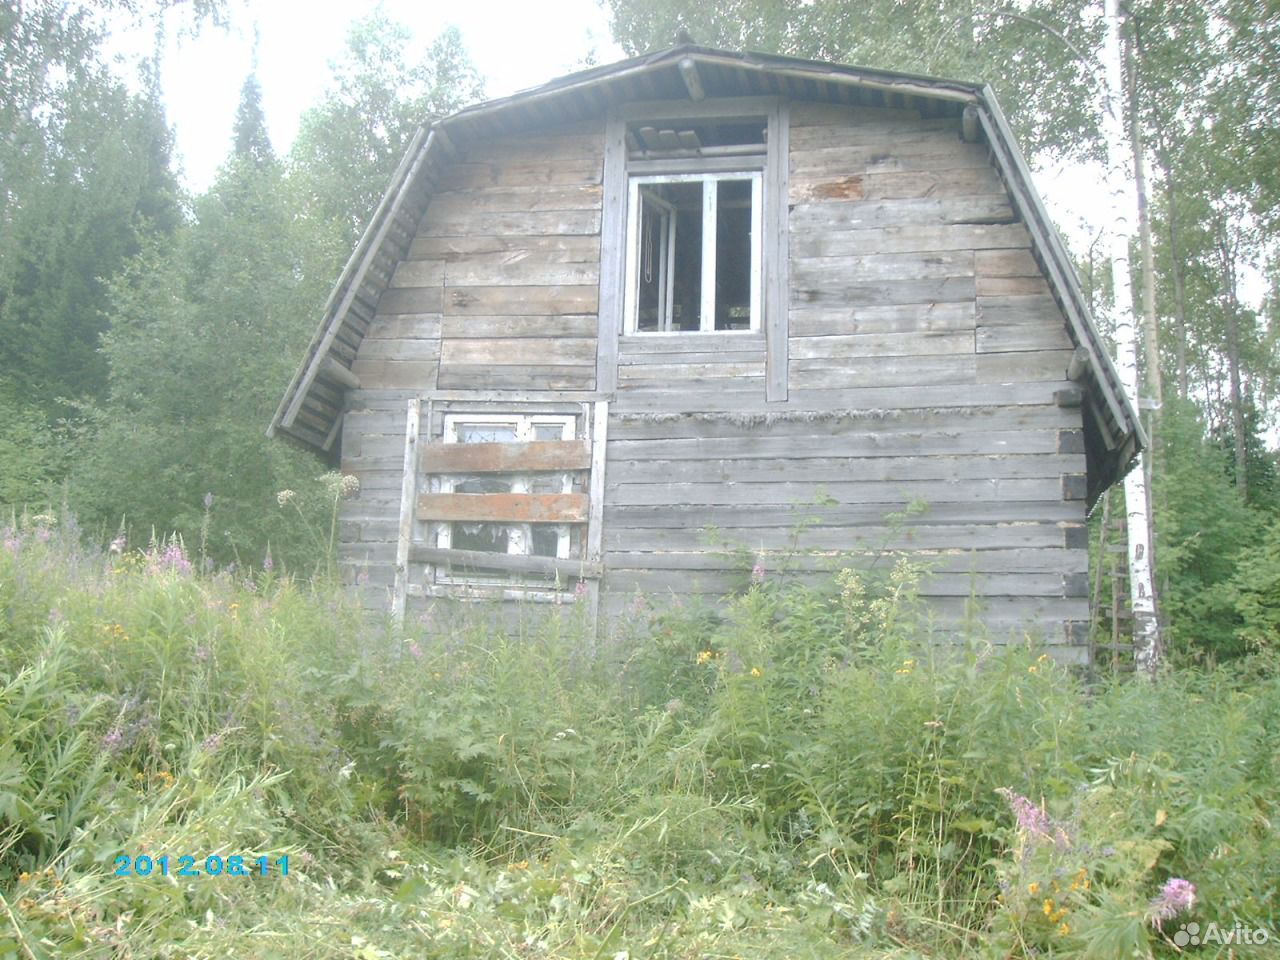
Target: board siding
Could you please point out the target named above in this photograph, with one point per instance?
(922, 356)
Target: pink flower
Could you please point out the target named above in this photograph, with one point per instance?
(1030, 817)
(415, 651)
(1176, 896)
(757, 572)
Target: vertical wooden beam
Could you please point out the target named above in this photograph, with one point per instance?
(408, 502)
(776, 252)
(613, 239)
(595, 515)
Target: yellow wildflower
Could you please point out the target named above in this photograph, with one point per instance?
(1033, 888)
(703, 656)
(1064, 930)
(755, 671)
(1048, 907)
(23, 877)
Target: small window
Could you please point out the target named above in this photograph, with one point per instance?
(695, 216)
(521, 539)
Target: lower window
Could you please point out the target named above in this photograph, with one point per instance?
(520, 539)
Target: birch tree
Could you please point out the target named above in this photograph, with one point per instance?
(1122, 189)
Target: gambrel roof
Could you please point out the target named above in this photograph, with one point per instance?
(311, 409)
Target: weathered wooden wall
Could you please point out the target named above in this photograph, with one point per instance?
(498, 291)
(925, 352)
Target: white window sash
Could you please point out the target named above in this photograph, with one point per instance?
(710, 213)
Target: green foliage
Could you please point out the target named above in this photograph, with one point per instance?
(1254, 591)
(829, 783)
(349, 145)
(32, 455)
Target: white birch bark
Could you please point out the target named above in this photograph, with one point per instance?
(1124, 205)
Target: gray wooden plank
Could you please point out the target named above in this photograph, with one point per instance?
(884, 266)
(518, 301)
(883, 372)
(855, 443)
(815, 470)
(808, 187)
(907, 238)
(549, 351)
(776, 255)
(537, 250)
(884, 345)
(851, 292)
(1037, 489)
(1022, 337)
(523, 223)
(521, 377)
(473, 327)
(411, 374)
(612, 244)
(412, 326)
(836, 216)
(408, 495)
(883, 318)
(410, 300)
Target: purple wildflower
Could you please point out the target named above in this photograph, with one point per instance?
(580, 590)
(43, 535)
(202, 653)
(267, 562)
(414, 650)
(113, 739)
(757, 572)
(1176, 896)
(1030, 817)
(212, 742)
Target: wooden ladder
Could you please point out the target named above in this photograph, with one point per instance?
(1111, 640)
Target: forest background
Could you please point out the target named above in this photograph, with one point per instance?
(146, 332)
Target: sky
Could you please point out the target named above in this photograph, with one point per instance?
(514, 44)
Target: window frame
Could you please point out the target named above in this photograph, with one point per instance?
(774, 162)
(710, 223)
(519, 535)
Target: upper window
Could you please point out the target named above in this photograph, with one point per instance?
(695, 210)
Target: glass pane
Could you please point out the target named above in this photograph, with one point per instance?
(669, 279)
(651, 298)
(486, 537)
(733, 255)
(486, 432)
(549, 483)
(549, 431)
(546, 541)
(484, 484)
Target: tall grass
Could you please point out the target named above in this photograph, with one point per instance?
(792, 774)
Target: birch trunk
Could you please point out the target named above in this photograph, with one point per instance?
(1124, 205)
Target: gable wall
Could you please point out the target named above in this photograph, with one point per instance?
(924, 348)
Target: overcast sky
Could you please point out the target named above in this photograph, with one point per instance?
(514, 45)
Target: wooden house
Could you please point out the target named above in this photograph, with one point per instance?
(603, 331)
